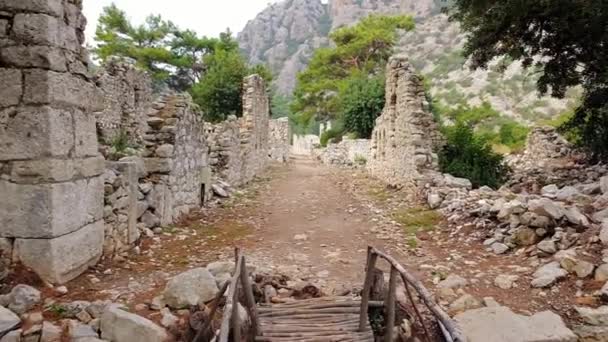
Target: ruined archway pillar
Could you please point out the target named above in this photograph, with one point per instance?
(51, 191)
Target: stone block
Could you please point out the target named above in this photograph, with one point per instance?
(42, 171)
(3, 28)
(90, 167)
(158, 165)
(45, 57)
(62, 259)
(49, 87)
(51, 7)
(33, 132)
(42, 29)
(49, 210)
(85, 134)
(11, 84)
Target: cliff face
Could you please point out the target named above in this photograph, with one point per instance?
(285, 34)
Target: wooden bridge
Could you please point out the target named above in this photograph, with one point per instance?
(325, 319)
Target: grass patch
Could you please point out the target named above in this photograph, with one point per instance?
(380, 194)
(417, 219)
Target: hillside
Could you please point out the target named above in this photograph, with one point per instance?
(286, 34)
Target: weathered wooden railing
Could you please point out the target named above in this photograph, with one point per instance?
(449, 328)
(231, 321)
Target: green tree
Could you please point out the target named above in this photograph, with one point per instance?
(362, 102)
(566, 39)
(219, 92)
(470, 156)
(211, 69)
(362, 49)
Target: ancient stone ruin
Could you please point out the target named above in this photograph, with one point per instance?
(405, 134)
(51, 208)
(279, 140)
(63, 206)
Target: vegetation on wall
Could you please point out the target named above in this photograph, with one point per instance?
(570, 39)
(211, 69)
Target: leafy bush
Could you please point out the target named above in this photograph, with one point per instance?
(334, 134)
(513, 135)
(470, 156)
(362, 102)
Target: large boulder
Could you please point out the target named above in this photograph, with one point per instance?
(548, 274)
(500, 324)
(455, 182)
(604, 184)
(193, 287)
(118, 325)
(546, 207)
(22, 298)
(592, 316)
(8, 320)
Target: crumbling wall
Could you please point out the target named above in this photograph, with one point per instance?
(545, 149)
(279, 140)
(239, 148)
(51, 203)
(405, 134)
(304, 145)
(176, 161)
(254, 128)
(348, 152)
(121, 210)
(128, 96)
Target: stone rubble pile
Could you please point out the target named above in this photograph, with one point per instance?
(24, 314)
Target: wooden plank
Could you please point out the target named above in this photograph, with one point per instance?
(426, 297)
(228, 314)
(390, 306)
(371, 265)
(249, 300)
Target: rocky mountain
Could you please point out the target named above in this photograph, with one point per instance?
(286, 34)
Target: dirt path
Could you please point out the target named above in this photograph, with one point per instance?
(314, 223)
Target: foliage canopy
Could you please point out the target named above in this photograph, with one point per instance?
(211, 69)
(566, 39)
(470, 155)
(362, 49)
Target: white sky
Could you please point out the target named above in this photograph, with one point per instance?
(206, 17)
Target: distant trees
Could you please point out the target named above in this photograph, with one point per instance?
(360, 51)
(211, 69)
(566, 39)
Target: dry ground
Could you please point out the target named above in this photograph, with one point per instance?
(313, 222)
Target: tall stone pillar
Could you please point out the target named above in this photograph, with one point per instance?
(51, 191)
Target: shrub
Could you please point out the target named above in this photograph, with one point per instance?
(470, 156)
(362, 102)
(333, 134)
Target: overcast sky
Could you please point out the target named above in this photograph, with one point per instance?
(207, 17)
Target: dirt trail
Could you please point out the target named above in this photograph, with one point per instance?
(314, 227)
(313, 223)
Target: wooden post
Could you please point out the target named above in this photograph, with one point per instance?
(390, 306)
(369, 274)
(235, 320)
(249, 299)
(232, 300)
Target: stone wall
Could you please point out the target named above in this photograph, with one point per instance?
(254, 130)
(51, 207)
(279, 140)
(128, 96)
(545, 149)
(121, 210)
(239, 148)
(176, 162)
(348, 152)
(405, 134)
(304, 145)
